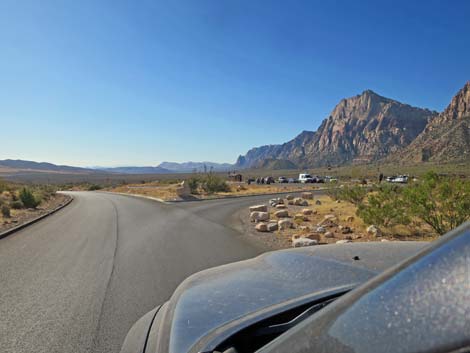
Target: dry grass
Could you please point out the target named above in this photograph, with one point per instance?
(163, 192)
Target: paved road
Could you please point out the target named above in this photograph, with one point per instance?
(78, 280)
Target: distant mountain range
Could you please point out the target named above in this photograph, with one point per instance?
(368, 127)
(22, 165)
(134, 170)
(15, 166)
(188, 167)
(170, 167)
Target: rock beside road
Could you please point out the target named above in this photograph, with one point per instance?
(275, 202)
(298, 201)
(301, 242)
(257, 216)
(281, 214)
(307, 195)
(313, 236)
(259, 208)
(272, 227)
(262, 227)
(374, 230)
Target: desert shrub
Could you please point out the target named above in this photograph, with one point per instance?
(441, 202)
(333, 193)
(211, 183)
(384, 207)
(193, 183)
(28, 199)
(16, 205)
(46, 192)
(3, 186)
(94, 187)
(353, 194)
(6, 211)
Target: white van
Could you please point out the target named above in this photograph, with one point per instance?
(306, 178)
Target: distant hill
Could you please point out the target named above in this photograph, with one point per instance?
(188, 167)
(135, 170)
(366, 127)
(22, 165)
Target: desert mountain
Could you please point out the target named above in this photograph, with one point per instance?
(446, 137)
(22, 165)
(188, 167)
(363, 128)
(135, 170)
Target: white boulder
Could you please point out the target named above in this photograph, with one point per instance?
(301, 242)
(259, 208)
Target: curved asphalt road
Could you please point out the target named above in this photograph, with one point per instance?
(77, 280)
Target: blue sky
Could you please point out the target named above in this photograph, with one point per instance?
(139, 82)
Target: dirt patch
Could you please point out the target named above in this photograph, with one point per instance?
(21, 216)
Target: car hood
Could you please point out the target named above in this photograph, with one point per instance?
(213, 304)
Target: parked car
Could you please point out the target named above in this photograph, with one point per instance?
(362, 297)
(330, 179)
(269, 180)
(293, 180)
(403, 179)
(282, 180)
(305, 178)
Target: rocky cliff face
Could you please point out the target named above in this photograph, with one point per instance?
(294, 151)
(362, 128)
(446, 138)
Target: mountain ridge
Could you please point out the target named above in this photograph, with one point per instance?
(366, 127)
(446, 138)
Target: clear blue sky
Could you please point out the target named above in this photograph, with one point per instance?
(93, 82)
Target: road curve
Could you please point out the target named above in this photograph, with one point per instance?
(77, 280)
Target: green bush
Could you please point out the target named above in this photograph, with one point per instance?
(16, 205)
(6, 211)
(384, 207)
(3, 186)
(193, 183)
(94, 187)
(211, 183)
(28, 199)
(353, 194)
(441, 202)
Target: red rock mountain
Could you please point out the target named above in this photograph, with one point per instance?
(446, 138)
(362, 128)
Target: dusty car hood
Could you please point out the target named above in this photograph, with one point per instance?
(212, 304)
